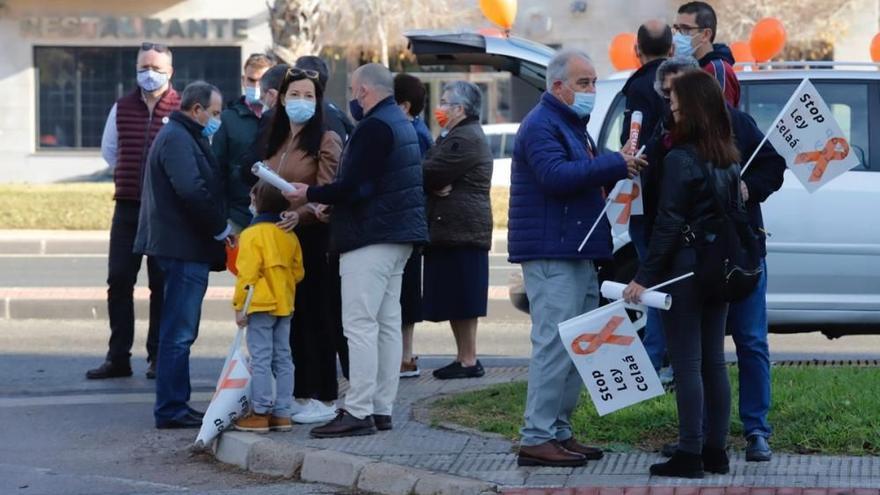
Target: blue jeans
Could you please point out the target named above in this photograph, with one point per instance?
(747, 323)
(654, 339)
(185, 286)
(558, 290)
(268, 341)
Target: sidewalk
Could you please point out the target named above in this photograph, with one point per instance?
(414, 449)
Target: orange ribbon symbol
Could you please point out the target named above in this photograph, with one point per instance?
(627, 201)
(605, 336)
(824, 156)
(227, 382)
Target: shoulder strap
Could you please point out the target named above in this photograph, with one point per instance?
(710, 180)
(720, 73)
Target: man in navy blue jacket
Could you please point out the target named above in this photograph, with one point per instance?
(183, 223)
(555, 196)
(747, 319)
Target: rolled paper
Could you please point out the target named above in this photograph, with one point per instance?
(653, 299)
(267, 174)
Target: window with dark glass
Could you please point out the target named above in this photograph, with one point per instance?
(77, 86)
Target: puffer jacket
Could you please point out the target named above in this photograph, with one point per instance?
(462, 159)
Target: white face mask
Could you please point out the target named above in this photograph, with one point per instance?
(150, 80)
(252, 209)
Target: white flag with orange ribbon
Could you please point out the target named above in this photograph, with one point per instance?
(610, 357)
(807, 135)
(622, 200)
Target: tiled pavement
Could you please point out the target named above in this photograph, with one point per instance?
(467, 454)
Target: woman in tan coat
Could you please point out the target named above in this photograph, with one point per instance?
(302, 149)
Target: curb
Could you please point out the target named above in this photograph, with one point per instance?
(259, 454)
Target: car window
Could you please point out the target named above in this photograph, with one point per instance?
(609, 138)
(495, 144)
(509, 140)
(848, 101)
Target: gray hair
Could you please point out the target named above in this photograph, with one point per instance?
(197, 93)
(466, 94)
(674, 65)
(377, 76)
(273, 77)
(557, 69)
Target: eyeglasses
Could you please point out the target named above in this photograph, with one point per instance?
(159, 47)
(296, 71)
(685, 29)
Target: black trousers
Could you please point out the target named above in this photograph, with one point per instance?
(694, 331)
(316, 327)
(122, 271)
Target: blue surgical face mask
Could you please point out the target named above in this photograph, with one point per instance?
(150, 80)
(211, 127)
(683, 45)
(252, 94)
(356, 109)
(299, 111)
(583, 104)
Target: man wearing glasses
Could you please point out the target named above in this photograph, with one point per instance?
(695, 28)
(134, 121)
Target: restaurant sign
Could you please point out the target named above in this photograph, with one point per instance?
(133, 28)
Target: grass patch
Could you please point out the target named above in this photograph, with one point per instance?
(74, 206)
(500, 200)
(833, 411)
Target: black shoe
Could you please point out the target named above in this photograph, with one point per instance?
(680, 465)
(455, 370)
(382, 421)
(668, 449)
(715, 460)
(188, 421)
(151, 370)
(109, 370)
(345, 425)
(758, 449)
(196, 413)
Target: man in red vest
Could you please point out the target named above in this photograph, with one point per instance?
(133, 122)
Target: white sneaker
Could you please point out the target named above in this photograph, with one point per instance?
(299, 406)
(316, 412)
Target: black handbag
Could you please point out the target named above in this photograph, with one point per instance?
(728, 253)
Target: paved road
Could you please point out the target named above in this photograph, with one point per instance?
(90, 270)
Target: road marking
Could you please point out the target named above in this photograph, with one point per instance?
(89, 399)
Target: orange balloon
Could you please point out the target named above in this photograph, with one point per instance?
(875, 48)
(622, 52)
(500, 12)
(742, 53)
(767, 39)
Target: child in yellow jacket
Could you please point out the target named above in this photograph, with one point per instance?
(270, 261)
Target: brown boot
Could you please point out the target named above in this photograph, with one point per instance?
(549, 454)
(591, 453)
(280, 423)
(258, 423)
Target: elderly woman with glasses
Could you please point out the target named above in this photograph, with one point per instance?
(301, 149)
(458, 176)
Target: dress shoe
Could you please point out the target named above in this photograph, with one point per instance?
(549, 454)
(382, 422)
(109, 370)
(345, 425)
(758, 449)
(455, 370)
(715, 460)
(591, 453)
(196, 413)
(151, 370)
(680, 465)
(187, 421)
